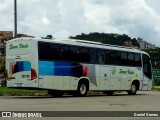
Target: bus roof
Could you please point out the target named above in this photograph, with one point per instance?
(82, 43)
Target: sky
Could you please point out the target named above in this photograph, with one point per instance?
(64, 18)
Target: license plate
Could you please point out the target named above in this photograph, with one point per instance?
(19, 84)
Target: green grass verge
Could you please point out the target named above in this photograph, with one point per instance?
(23, 92)
(157, 89)
(5, 90)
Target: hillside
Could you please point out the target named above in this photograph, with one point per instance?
(107, 38)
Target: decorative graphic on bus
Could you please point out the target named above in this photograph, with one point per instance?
(19, 66)
(62, 69)
(113, 70)
(122, 71)
(18, 46)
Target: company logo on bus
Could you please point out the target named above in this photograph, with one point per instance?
(18, 46)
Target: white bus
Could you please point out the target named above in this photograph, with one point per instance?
(76, 66)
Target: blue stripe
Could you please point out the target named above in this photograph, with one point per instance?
(46, 68)
(60, 69)
(22, 66)
(63, 69)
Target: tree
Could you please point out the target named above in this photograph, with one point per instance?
(135, 43)
(48, 37)
(106, 38)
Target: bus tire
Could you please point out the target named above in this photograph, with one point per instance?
(82, 89)
(133, 89)
(55, 93)
(109, 93)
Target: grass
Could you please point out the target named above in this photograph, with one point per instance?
(157, 89)
(5, 90)
(21, 92)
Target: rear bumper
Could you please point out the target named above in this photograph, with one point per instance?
(22, 84)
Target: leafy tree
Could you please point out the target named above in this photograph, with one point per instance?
(48, 37)
(135, 43)
(106, 38)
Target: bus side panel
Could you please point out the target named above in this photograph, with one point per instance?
(59, 75)
(73, 83)
(66, 83)
(122, 77)
(53, 82)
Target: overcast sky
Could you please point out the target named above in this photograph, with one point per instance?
(64, 18)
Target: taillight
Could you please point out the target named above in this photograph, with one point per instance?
(33, 74)
(12, 68)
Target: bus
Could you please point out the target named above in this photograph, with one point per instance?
(76, 66)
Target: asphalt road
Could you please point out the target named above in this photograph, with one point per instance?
(143, 101)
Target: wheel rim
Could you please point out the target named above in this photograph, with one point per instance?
(82, 89)
(133, 89)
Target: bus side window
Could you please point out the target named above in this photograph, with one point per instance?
(55, 52)
(101, 56)
(131, 59)
(65, 53)
(107, 57)
(43, 51)
(74, 53)
(84, 55)
(115, 57)
(93, 56)
(137, 60)
(124, 60)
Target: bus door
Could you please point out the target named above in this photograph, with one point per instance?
(115, 80)
(104, 77)
(146, 85)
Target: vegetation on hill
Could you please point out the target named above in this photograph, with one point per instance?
(107, 38)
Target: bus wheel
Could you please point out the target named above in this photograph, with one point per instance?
(109, 93)
(82, 89)
(133, 90)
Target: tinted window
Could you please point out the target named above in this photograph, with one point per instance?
(65, 53)
(124, 60)
(55, 52)
(115, 58)
(131, 59)
(108, 57)
(84, 55)
(74, 53)
(101, 56)
(147, 66)
(43, 51)
(137, 61)
(92, 55)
